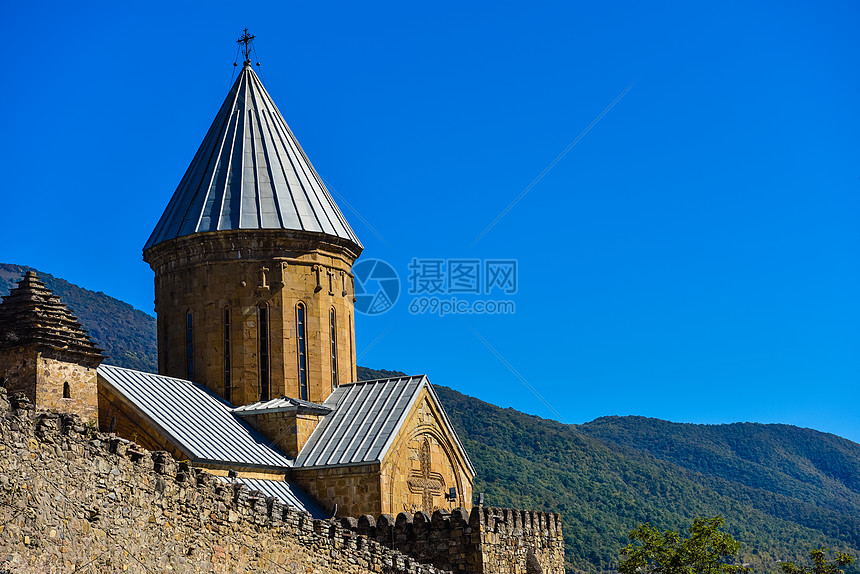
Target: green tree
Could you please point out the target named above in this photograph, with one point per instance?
(820, 563)
(704, 552)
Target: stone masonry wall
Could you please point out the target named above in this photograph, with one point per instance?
(485, 541)
(18, 369)
(53, 374)
(288, 431)
(74, 499)
(354, 489)
(41, 376)
(236, 272)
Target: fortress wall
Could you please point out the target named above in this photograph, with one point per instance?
(484, 541)
(76, 498)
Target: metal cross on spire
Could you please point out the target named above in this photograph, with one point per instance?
(246, 39)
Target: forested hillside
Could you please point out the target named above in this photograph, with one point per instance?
(781, 489)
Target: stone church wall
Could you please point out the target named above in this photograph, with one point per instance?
(422, 465)
(236, 272)
(353, 490)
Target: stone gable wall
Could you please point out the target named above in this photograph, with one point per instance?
(118, 418)
(422, 464)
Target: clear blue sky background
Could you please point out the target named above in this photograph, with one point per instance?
(694, 257)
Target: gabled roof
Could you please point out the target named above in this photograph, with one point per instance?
(281, 405)
(31, 313)
(365, 420)
(194, 419)
(250, 173)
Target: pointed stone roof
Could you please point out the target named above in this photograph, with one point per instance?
(31, 313)
(250, 173)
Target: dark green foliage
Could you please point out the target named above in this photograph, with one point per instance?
(706, 551)
(820, 565)
(604, 489)
(366, 374)
(126, 334)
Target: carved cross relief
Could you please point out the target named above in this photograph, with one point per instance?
(424, 481)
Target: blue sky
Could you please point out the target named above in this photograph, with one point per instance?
(694, 257)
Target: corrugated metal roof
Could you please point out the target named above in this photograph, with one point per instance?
(281, 404)
(250, 173)
(366, 418)
(284, 491)
(193, 418)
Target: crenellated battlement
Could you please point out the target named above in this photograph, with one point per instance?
(487, 539)
(485, 518)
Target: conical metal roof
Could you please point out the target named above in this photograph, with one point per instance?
(250, 173)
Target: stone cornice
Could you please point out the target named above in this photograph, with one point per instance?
(250, 245)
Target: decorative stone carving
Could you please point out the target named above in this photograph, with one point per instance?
(424, 481)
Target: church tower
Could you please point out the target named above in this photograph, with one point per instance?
(252, 260)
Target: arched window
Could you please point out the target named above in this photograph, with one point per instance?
(227, 365)
(333, 337)
(351, 350)
(263, 323)
(112, 425)
(67, 392)
(189, 347)
(301, 335)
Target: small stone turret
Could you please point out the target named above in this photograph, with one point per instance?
(46, 353)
